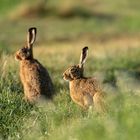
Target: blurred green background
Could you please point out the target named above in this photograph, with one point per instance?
(69, 20)
(111, 29)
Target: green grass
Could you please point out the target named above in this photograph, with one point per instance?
(61, 118)
(111, 30)
(5, 4)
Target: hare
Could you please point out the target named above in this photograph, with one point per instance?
(34, 77)
(84, 91)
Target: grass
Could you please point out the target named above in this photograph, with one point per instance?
(61, 118)
(111, 30)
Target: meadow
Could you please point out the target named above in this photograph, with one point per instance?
(110, 29)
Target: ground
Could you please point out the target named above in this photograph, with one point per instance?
(110, 30)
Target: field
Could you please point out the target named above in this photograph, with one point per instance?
(111, 31)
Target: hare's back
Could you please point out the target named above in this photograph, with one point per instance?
(90, 85)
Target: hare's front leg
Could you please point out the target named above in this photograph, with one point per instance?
(31, 94)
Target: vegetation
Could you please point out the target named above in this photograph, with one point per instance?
(113, 39)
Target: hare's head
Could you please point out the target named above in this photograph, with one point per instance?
(76, 71)
(26, 52)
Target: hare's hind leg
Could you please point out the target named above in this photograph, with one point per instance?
(88, 101)
(99, 102)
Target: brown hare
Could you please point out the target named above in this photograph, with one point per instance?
(34, 77)
(84, 91)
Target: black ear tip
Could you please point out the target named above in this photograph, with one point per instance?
(32, 28)
(85, 48)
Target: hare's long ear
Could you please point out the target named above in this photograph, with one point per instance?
(31, 36)
(83, 56)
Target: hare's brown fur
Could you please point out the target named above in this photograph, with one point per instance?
(83, 91)
(34, 77)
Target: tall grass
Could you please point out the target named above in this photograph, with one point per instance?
(111, 30)
(61, 118)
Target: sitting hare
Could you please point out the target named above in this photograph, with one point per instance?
(34, 77)
(84, 91)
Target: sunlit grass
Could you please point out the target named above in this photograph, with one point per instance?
(111, 31)
(61, 118)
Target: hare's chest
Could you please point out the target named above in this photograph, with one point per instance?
(25, 71)
(22, 73)
(75, 93)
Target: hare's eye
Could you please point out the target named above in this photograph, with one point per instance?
(24, 50)
(73, 70)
